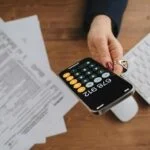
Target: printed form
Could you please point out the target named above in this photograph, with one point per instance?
(21, 28)
(28, 95)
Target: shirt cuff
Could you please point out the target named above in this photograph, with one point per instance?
(114, 9)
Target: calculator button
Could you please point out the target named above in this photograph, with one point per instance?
(106, 74)
(81, 66)
(69, 78)
(74, 81)
(73, 70)
(88, 62)
(84, 69)
(67, 74)
(81, 77)
(100, 71)
(81, 89)
(89, 84)
(91, 65)
(77, 74)
(77, 85)
(85, 81)
(93, 76)
(88, 73)
(95, 68)
(98, 79)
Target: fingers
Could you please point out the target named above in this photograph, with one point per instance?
(103, 46)
(116, 52)
(100, 51)
(106, 52)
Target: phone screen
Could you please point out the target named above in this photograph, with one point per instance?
(98, 87)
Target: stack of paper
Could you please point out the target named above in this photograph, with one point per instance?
(33, 100)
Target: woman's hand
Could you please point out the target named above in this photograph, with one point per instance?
(103, 45)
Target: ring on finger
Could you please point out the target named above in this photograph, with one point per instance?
(122, 63)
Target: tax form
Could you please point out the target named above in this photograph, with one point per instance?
(21, 28)
(28, 30)
(28, 95)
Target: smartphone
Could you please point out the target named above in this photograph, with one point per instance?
(98, 88)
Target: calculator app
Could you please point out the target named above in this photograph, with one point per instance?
(94, 84)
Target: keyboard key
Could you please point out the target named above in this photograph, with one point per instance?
(139, 68)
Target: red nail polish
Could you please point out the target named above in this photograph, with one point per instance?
(109, 66)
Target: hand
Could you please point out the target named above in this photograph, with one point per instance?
(103, 45)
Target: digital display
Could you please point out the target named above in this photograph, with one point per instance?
(96, 86)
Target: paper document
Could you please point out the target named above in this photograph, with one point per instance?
(31, 98)
(28, 29)
(21, 28)
(22, 25)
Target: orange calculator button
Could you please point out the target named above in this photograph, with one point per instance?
(77, 85)
(81, 89)
(69, 78)
(66, 75)
(74, 81)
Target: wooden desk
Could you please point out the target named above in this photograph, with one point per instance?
(61, 22)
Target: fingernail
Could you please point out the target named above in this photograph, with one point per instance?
(109, 66)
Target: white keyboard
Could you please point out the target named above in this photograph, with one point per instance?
(139, 68)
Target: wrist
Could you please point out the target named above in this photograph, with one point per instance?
(102, 18)
(102, 21)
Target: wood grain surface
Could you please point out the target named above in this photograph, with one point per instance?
(61, 24)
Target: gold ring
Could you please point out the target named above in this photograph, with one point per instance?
(122, 63)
